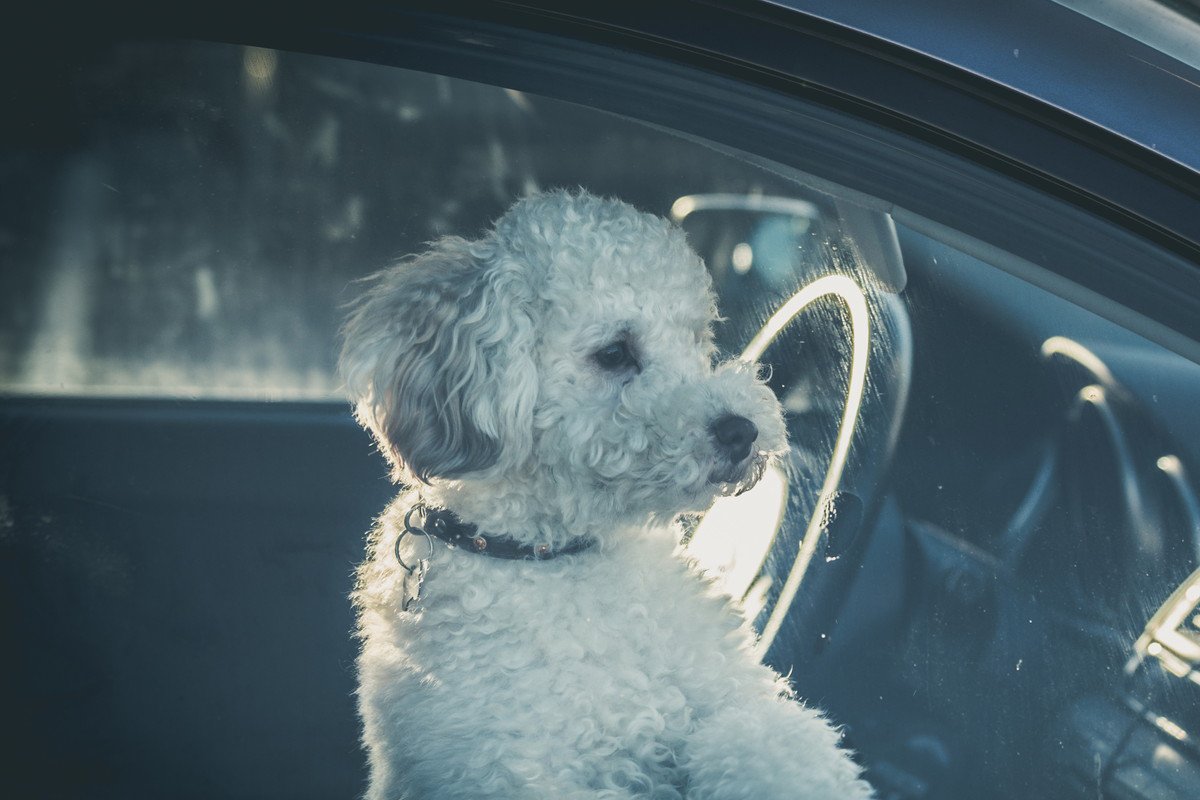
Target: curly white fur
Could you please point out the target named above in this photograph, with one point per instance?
(613, 673)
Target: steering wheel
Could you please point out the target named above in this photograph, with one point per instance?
(822, 540)
(839, 351)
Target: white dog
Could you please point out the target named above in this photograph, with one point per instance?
(528, 628)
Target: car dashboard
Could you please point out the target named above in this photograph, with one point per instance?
(1037, 521)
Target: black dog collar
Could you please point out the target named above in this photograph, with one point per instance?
(443, 524)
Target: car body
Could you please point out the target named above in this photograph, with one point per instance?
(965, 236)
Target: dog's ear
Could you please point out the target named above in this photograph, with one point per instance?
(438, 358)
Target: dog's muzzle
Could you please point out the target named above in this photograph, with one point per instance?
(734, 436)
(740, 466)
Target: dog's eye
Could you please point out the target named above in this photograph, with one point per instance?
(616, 356)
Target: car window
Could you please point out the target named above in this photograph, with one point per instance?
(201, 226)
(976, 554)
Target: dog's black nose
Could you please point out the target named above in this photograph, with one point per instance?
(734, 435)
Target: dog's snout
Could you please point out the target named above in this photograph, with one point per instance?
(734, 434)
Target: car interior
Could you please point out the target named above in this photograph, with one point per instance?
(984, 567)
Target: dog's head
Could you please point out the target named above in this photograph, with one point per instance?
(560, 369)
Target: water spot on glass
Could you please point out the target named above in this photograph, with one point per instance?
(207, 299)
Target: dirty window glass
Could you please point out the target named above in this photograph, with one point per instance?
(187, 219)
